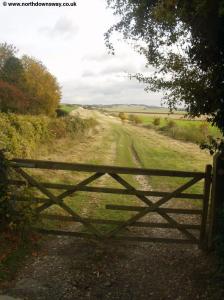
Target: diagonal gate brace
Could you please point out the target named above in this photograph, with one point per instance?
(154, 206)
(59, 199)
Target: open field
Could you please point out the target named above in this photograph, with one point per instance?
(68, 107)
(135, 108)
(176, 126)
(185, 123)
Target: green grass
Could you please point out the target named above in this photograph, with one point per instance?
(196, 131)
(123, 157)
(68, 107)
(158, 153)
(138, 108)
(155, 152)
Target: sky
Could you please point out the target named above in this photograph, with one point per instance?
(70, 43)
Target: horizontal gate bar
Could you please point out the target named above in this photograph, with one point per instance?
(167, 210)
(116, 238)
(110, 190)
(154, 240)
(115, 222)
(30, 163)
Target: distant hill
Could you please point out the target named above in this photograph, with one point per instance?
(120, 107)
(123, 107)
(127, 108)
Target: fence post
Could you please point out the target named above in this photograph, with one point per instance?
(204, 220)
(217, 199)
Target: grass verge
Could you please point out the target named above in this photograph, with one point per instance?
(195, 131)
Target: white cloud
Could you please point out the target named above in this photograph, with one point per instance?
(115, 90)
(70, 42)
(63, 28)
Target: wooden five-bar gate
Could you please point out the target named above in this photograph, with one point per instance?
(21, 166)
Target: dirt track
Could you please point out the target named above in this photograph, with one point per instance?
(69, 269)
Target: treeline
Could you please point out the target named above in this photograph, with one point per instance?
(26, 86)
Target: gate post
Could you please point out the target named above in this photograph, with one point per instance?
(217, 199)
(3, 172)
(204, 219)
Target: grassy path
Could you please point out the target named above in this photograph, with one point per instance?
(120, 144)
(70, 269)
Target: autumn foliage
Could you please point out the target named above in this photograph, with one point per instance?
(26, 86)
(12, 99)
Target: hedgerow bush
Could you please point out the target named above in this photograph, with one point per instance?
(195, 134)
(20, 135)
(77, 126)
(156, 121)
(135, 119)
(14, 215)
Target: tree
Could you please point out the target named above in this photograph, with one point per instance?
(41, 87)
(184, 41)
(6, 51)
(13, 72)
(12, 99)
(36, 88)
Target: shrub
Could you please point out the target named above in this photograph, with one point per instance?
(13, 215)
(204, 129)
(58, 127)
(156, 121)
(20, 135)
(122, 116)
(171, 124)
(131, 118)
(62, 112)
(135, 119)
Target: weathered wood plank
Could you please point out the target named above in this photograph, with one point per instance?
(166, 210)
(30, 199)
(163, 200)
(154, 240)
(56, 200)
(130, 190)
(30, 163)
(116, 238)
(65, 233)
(129, 187)
(105, 190)
(73, 189)
(157, 205)
(115, 222)
(81, 184)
